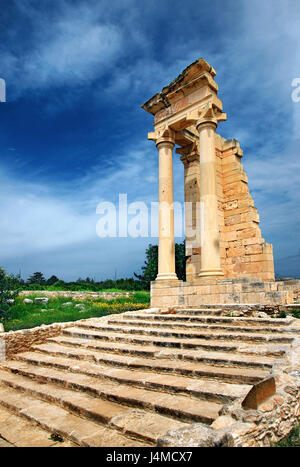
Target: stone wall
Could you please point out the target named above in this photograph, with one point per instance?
(75, 294)
(13, 342)
(166, 294)
(243, 251)
(294, 285)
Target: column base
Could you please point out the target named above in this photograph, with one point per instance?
(211, 273)
(166, 276)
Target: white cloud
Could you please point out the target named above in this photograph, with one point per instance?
(33, 219)
(73, 49)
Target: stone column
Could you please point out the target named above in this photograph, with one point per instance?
(210, 244)
(166, 243)
(191, 161)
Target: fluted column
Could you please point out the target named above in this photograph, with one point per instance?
(166, 244)
(210, 242)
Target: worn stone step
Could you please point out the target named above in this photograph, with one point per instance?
(215, 358)
(90, 335)
(198, 327)
(59, 421)
(93, 408)
(180, 407)
(205, 389)
(145, 350)
(149, 346)
(197, 311)
(5, 444)
(99, 340)
(205, 334)
(274, 322)
(229, 374)
(21, 433)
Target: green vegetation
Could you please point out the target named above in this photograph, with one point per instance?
(29, 315)
(89, 285)
(295, 313)
(292, 312)
(8, 292)
(292, 440)
(150, 268)
(37, 278)
(281, 314)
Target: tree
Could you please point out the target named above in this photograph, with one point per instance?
(52, 280)
(180, 260)
(89, 280)
(150, 268)
(37, 278)
(7, 292)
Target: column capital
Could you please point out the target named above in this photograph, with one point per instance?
(189, 153)
(164, 136)
(207, 116)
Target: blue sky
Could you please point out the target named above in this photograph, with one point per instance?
(73, 133)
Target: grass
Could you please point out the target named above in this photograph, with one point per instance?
(25, 316)
(295, 313)
(292, 312)
(292, 440)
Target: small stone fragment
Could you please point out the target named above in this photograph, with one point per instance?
(27, 301)
(41, 300)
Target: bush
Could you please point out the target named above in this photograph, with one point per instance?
(8, 292)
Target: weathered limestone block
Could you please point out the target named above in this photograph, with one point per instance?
(197, 435)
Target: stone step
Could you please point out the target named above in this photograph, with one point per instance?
(101, 411)
(183, 368)
(21, 433)
(215, 358)
(180, 407)
(5, 444)
(205, 334)
(197, 311)
(199, 327)
(59, 421)
(276, 322)
(204, 389)
(148, 345)
(90, 335)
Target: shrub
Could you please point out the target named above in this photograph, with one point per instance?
(7, 292)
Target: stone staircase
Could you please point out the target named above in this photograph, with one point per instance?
(126, 380)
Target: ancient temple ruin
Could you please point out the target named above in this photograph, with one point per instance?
(228, 260)
(201, 367)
